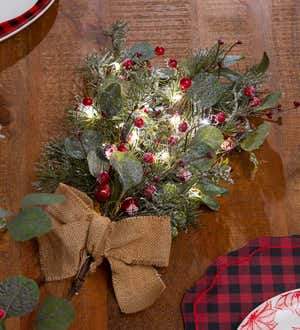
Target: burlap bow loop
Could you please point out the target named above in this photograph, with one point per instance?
(132, 246)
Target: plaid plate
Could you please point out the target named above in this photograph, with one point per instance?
(240, 281)
(11, 26)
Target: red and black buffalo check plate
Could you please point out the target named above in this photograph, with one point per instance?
(16, 24)
(240, 281)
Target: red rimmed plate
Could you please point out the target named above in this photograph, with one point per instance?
(15, 15)
(278, 313)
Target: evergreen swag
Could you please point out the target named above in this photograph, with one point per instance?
(153, 140)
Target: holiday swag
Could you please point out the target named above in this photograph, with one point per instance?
(144, 147)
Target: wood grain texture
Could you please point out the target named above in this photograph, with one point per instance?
(38, 68)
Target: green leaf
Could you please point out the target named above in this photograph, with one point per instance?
(207, 139)
(263, 66)
(29, 223)
(42, 199)
(18, 296)
(210, 202)
(129, 168)
(111, 100)
(256, 138)
(3, 224)
(230, 74)
(4, 213)
(2, 326)
(79, 148)
(206, 90)
(231, 60)
(270, 101)
(95, 163)
(253, 159)
(55, 314)
(143, 48)
(210, 188)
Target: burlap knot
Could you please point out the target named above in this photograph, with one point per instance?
(132, 246)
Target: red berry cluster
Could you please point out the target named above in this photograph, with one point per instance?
(250, 92)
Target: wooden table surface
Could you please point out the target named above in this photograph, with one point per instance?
(38, 79)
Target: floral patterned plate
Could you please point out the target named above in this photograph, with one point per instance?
(278, 313)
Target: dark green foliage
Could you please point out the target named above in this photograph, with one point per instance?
(55, 314)
(121, 95)
(18, 296)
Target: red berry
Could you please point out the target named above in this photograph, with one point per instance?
(87, 101)
(103, 177)
(2, 314)
(270, 114)
(122, 147)
(249, 91)
(181, 164)
(221, 117)
(145, 110)
(148, 157)
(130, 205)
(221, 42)
(128, 63)
(139, 55)
(255, 102)
(239, 42)
(185, 83)
(103, 193)
(150, 191)
(172, 140)
(183, 127)
(172, 63)
(159, 51)
(209, 155)
(139, 122)
(297, 104)
(156, 179)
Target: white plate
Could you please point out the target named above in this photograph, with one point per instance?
(278, 313)
(15, 15)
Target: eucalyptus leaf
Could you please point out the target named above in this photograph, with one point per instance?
(111, 100)
(270, 101)
(29, 223)
(95, 163)
(55, 314)
(230, 74)
(206, 90)
(129, 169)
(4, 213)
(210, 188)
(42, 199)
(231, 60)
(145, 50)
(79, 147)
(256, 138)
(3, 224)
(207, 139)
(210, 202)
(263, 66)
(18, 296)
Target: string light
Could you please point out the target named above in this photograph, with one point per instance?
(163, 156)
(89, 111)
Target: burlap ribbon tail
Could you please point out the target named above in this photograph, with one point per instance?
(132, 246)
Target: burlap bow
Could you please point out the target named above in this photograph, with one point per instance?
(132, 247)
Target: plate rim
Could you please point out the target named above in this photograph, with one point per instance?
(263, 303)
(30, 21)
